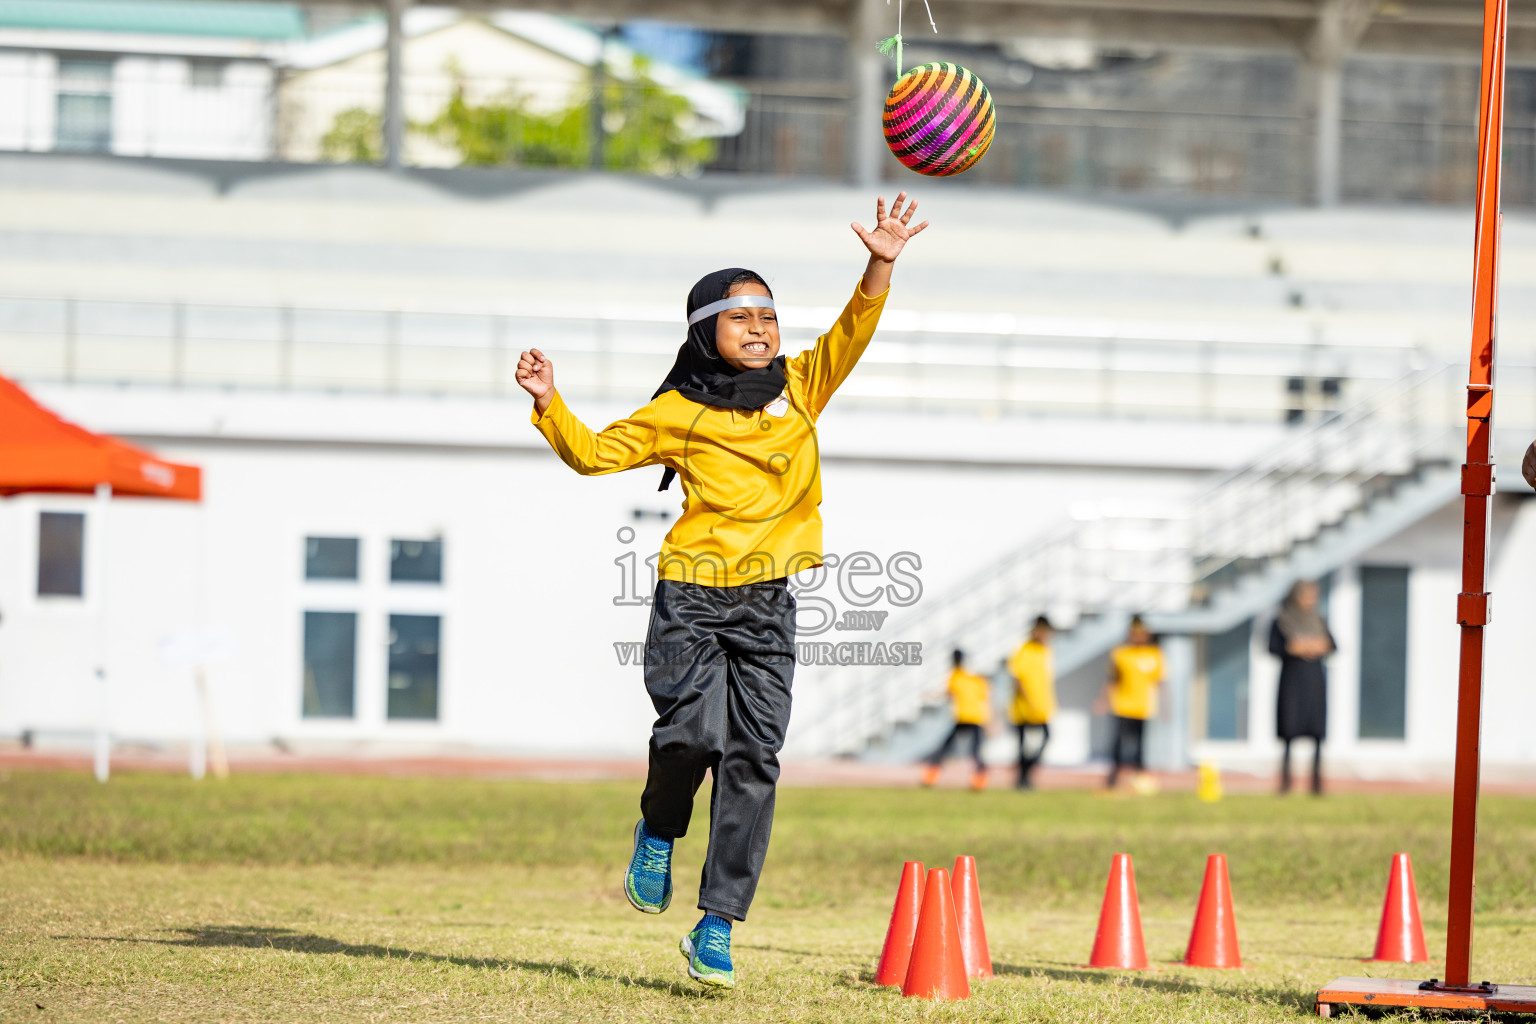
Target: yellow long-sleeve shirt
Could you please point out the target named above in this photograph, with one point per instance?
(1034, 693)
(972, 695)
(1138, 674)
(751, 480)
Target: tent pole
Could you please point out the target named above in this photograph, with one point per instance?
(103, 708)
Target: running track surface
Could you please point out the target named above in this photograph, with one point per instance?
(1515, 781)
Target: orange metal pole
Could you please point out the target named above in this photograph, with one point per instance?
(1477, 489)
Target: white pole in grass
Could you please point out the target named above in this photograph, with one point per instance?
(217, 759)
(207, 744)
(204, 715)
(103, 708)
(216, 644)
(197, 765)
(196, 650)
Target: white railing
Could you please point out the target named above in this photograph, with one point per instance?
(1137, 559)
(921, 363)
(1316, 477)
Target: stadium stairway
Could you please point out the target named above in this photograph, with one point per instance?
(1326, 494)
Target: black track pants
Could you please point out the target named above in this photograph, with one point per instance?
(718, 666)
(1130, 734)
(1027, 760)
(962, 732)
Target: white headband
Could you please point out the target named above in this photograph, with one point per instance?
(735, 301)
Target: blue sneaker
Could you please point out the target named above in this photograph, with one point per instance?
(648, 882)
(708, 949)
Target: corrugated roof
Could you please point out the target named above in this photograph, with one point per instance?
(243, 20)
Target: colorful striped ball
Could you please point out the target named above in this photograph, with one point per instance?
(939, 119)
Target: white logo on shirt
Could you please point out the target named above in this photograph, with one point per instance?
(779, 406)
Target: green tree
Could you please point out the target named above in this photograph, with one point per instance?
(356, 136)
(502, 132)
(645, 130)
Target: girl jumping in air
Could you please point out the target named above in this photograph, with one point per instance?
(736, 422)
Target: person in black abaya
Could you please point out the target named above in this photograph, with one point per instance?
(1300, 639)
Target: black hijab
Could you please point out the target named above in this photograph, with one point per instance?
(700, 375)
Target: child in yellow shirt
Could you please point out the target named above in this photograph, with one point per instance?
(1034, 695)
(736, 422)
(972, 697)
(1130, 695)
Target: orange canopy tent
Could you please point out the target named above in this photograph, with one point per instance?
(39, 451)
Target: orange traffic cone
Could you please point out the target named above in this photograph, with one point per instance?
(973, 932)
(937, 970)
(897, 951)
(1118, 942)
(1401, 936)
(1213, 939)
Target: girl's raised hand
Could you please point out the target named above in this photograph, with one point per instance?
(891, 231)
(536, 375)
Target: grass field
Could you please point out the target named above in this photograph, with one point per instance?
(300, 898)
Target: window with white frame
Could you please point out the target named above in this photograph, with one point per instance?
(61, 554)
(330, 636)
(330, 664)
(413, 666)
(414, 640)
(83, 106)
(416, 561)
(1226, 681)
(1383, 652)
(330, 558)
(337, 640)
(203, 73)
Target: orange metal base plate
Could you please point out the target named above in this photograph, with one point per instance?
(1387, 992)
